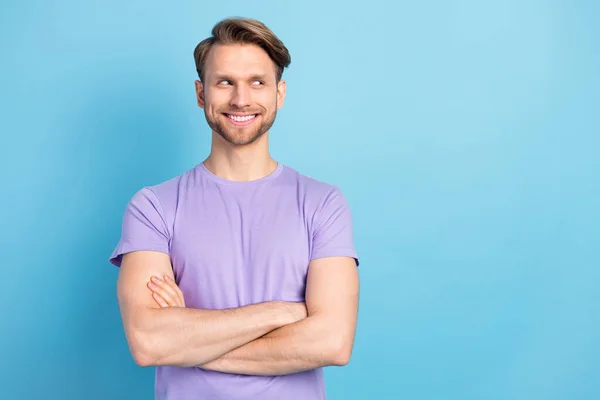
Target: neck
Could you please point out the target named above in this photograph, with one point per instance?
(240, 163)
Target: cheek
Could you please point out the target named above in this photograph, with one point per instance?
(267, 100)
(215, 100)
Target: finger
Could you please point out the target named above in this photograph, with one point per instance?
(167, 290)
(174, 290)
(159, 300)
(177, 289)
(159, 290)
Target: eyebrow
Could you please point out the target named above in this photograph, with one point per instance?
(255, 77)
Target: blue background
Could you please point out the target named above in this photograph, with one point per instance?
(465, 135)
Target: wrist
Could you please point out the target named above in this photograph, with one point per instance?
(284, 314)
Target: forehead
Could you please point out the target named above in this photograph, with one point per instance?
(238, 60)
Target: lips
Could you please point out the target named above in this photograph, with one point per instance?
(241, 119)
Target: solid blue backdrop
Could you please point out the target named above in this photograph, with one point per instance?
(465, 135)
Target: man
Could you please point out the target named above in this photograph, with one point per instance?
(238, 279)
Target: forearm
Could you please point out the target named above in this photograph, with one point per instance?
(189, 337)
(301, 346)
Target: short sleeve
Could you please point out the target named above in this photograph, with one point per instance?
(143, 228)
(333, 231)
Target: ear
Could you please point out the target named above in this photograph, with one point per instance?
(281, 88)
(200, 94)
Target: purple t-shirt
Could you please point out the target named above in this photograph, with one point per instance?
(237, 243)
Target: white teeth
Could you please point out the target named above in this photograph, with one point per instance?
(241, 118)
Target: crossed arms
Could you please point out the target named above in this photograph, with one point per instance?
(270, 338)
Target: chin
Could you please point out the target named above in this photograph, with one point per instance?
(239, 139)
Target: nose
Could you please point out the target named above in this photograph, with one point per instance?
(241, 97)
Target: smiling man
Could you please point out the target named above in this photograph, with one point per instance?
(238, 279)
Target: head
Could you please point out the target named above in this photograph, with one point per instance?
(240, 84)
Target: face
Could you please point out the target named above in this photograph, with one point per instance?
(240, 95)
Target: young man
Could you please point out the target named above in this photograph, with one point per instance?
(238, 279)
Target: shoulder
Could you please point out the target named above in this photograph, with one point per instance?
(328, 215)
(167, 191)
(162, 197)
(313, 188)
(318, 197)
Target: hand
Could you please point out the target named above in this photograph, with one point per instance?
(165, 292)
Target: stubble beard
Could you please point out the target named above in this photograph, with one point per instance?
(239, 136)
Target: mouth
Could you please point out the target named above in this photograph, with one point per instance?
(241, 119)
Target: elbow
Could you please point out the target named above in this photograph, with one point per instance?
(341, 358)
(141, 348)
(145, 339)
(142, 356)
(142, 359)
(340, 353)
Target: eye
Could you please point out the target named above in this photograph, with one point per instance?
(258, 83)
(224, 82)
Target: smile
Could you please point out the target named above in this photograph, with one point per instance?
(241, 120)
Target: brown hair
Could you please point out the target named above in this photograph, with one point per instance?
(243, 31)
